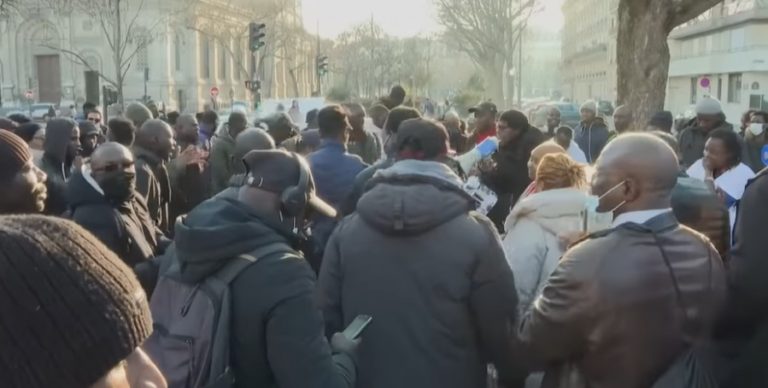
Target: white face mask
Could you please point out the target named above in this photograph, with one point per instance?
(756, 128)
(594, 221)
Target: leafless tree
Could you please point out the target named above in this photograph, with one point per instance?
(126, 27)
(642, 52)
(488, 31)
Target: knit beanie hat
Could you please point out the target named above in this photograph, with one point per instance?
(709, 106)
(14, 154)
(71, 310)
(590, 106)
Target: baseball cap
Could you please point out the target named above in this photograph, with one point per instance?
(277, 170)
(484, 107)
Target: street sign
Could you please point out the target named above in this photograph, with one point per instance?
(28, 94)
(704, 82)
(214, 92)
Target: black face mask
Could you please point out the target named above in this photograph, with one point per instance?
(118, 186)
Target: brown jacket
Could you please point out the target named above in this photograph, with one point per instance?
(609, 317)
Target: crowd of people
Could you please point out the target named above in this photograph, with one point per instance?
(180, 251)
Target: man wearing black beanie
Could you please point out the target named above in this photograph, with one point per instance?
(23, 183)
(74, 315)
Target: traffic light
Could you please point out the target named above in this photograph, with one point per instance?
(322, 65)
(256, 36)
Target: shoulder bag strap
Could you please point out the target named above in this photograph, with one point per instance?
(230, 271)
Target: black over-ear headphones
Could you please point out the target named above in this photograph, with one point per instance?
(294, 198)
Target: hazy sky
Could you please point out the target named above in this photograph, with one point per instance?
(397, 17)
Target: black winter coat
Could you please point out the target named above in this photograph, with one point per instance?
(56, 164)
(744, 324)
(277, 331)
(510, 178)
(431, 274)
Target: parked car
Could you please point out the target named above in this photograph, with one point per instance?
(40, 112)
(605, 108)
(569, 113)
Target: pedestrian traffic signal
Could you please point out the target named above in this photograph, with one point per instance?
(322, 65)
(256, 36)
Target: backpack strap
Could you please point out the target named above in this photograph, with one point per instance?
(233, 268)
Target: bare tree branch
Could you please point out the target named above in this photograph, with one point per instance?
(77, 58)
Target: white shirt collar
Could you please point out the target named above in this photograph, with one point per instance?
(638, 217)
(86, 170)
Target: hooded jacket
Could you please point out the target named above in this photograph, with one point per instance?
(153, 183)
(534, 241)
(592, 138)
(510, 177)
(220, 162)
(276, 330)
(125, 228)
(56, 164)
(431, 273)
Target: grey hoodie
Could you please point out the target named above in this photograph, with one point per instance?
(433, 276)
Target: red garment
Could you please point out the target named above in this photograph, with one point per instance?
(484, 135)
(530, 190)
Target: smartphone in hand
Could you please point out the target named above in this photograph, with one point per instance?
(353, 331)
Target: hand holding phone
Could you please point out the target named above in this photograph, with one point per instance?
(357, 326)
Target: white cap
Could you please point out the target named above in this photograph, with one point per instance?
(709, 106)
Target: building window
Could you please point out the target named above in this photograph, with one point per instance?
(734, 88)
(205, 57)
(694, 89)
(222, 62)
(177, 52)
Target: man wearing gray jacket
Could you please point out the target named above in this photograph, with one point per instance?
(429, 270)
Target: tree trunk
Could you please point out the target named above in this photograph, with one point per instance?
(642, 56)
(642, 52)
(494, 85)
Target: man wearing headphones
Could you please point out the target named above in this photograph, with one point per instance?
(276, 330)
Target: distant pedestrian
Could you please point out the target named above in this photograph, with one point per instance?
(395, 118)
(591, 134)
(508, 175)
(295, 112)
(222, 150)
(395, 98)
(661, 121)
(152, 150)
(756, 142)
(22, 182)
(121, 130)
(362, 143)
(721, 168)
(62, 146)
(709, 117)
(78, 318)
(485, 115)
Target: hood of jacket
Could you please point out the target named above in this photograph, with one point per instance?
(220, 229)
(81, 193)
(58, 134)
(557, 211)
(413, 197)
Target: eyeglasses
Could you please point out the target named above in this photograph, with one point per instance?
(112, 167)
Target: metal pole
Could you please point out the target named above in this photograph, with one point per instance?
(520, 70)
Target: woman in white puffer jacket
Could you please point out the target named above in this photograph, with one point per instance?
(541, 225)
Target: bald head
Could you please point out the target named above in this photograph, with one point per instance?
(156, 136)
(187, 130)
(110, 151)
(249, 140)
(635, 172)
(622, 119)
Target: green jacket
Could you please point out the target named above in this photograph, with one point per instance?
(220, 160)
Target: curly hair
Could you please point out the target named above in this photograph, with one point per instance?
(559, 171)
